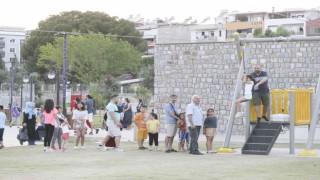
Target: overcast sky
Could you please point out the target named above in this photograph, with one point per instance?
(27, 13)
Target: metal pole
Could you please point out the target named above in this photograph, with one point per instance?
(292, 117)
(314, 116)
(247, 119)
(21, 100)
(58, 87)
(31, 88)
(11, 84)
(64, 73)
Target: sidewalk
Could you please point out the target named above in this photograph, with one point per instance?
(10, 136)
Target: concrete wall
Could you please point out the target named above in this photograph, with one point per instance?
(210, 70)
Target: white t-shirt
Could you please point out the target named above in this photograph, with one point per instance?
(248, 87)
(3, 119)
(196, 112)
(78, 116)
(65, 128)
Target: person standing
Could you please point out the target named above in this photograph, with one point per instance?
(194, 123)
(140, 120)
(50, 115)
(127, 118)
(260, 92)
(3, 119)
(57, 133)
(79, 117)
(113, 124)
(209, 129)
(15, 115)
(153, 126)
(29, 121)
(171, 123)
(89, 107)
(139, 105)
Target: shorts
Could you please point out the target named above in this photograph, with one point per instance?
(259, 98)
(81, 127)
(171, 130)
(65, 136)
(142, 134)
(210, 132)
(90, 117)
(183, 137)
(248, 96)
(113, 130)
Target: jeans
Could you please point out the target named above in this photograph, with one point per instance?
(153, 138)
(49, 132)
(194, 134)
(57, 134)
(1, 134)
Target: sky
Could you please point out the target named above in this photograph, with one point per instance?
(27, 13)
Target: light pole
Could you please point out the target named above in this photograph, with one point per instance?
(64, 73)
(26, 79)
(52, 75)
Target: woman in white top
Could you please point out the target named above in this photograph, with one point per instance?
(248, 85)
(79, 117)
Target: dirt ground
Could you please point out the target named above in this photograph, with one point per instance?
(32, 163)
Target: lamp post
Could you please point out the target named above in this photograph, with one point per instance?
(52, 75)
(26, 79)
(64, 73)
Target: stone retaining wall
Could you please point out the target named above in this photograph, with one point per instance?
(210, 70)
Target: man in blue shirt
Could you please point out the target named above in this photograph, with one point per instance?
(171, 123)
(89, 108)
(260, 92)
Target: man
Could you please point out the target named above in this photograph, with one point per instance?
(171, 123)
(15, 115)
(194, 123)
(260, 92)
(89, 107)
(113, 123)
(140, 120)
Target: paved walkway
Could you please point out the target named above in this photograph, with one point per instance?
(10, 136)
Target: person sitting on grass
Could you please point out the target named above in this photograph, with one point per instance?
(183, 133)
(249, 82)
(209, 129)
(153, 130)
(140, 120)
(3, 119)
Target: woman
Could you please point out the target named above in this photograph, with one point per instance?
(50, 115)
(139, 105)
(29, 121)
(79, 117)
(127, 118)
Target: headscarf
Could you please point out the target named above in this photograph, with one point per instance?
(30, 109)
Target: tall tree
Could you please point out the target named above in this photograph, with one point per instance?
(3, 71)
(90, 57)
(83, 22)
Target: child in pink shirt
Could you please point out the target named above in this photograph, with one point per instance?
(50, 115)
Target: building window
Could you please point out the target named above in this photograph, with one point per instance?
(220, 34)
(12, 59)
(12, 50)
(12, 40)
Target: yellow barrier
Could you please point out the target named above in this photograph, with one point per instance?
(280, 105)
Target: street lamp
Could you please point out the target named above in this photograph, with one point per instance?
(26, 79)
(52, 75)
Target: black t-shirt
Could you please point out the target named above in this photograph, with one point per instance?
(257, 78)
(210, 122)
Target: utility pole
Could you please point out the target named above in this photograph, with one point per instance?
(64, 73)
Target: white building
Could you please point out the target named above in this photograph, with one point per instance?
(150, 32)
(11, 40)
(208, 32)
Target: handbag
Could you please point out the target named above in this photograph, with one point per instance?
(23, 134)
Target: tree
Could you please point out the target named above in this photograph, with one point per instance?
(3, 71)
(90, 57)
(147, 74)
(144, 94)
(281, 31)
(258, 33)
(83, 22)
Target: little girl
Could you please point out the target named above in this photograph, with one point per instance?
(183, 133)
(209, 129)
(248, 81)
(65, 134)
(153, 131)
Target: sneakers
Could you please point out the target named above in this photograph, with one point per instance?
(97, 131)
(119, 150)
(150, 148)
(91, 133)
(83, 147)
(239, 114)
(75, 148)
(173, 150)
(53, 148)
(168, 151)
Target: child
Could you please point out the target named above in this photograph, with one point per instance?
(57, 133)
(183, 133)
(209, 129)
(65, 134)
(3, 119)
(248, 81)
(140, 120)
(153, 130)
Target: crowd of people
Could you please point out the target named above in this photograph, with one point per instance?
(119, 116)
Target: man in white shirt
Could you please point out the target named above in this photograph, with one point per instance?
(194, 123)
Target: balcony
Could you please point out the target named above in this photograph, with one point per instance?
(244, 25)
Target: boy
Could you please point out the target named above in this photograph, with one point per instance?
(3, 119)
(248, 81)
(140, 120)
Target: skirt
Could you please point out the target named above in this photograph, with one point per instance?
(210, 132)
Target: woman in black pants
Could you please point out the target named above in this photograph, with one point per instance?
(29, 121)
(50, 118)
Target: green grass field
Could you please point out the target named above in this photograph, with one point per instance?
(33, 163)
